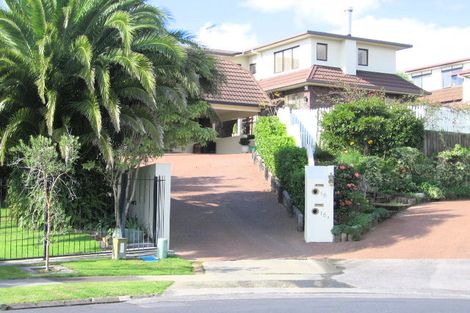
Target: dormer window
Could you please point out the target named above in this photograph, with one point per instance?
(363, 57)
(286, 60)
(322, 52)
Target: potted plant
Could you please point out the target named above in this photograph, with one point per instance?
(134, 231)
(251, 142)
(244, 142)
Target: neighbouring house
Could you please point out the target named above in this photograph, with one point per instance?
(448, 82)
(306, 70)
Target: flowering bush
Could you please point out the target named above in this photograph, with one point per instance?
(349, 200)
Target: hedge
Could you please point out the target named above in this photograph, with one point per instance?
(282, 157)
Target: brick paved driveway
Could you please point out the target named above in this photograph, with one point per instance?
(222, 209)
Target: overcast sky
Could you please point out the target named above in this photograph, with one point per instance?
(439, 30)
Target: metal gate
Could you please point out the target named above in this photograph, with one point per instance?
(22, 242)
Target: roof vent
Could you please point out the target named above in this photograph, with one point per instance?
(349, 13)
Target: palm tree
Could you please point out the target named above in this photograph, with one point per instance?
(88, 66)
(102, 70)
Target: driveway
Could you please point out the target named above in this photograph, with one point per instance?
(222, 209)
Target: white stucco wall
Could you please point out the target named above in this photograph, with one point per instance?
(466, 89)
(228, 145)
(265, 59)
(143, 205)
(381, 59)
(341, 53)
(435, 81)
(349, 57)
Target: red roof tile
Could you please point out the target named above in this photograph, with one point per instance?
(334, 77)
(451, 95)
(239, 87)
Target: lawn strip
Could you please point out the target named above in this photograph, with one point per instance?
(77, 291)
(108, 267)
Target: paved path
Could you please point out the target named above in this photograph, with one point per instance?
(222, 209)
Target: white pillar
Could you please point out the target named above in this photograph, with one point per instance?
(239, 127)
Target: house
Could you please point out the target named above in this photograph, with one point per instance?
(305, 69)
(308, 70)
(449, 82)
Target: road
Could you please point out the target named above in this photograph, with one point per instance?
(276, 304)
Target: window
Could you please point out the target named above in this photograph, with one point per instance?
(253, 68)
(286, 60)
(322, 52)
(422, 80)
(450, 76)
(295, 101)
(363, 57)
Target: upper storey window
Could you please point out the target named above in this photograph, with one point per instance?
(322, 52)
(286, 60)
(363, 57)
(450, 76)
(422, 80)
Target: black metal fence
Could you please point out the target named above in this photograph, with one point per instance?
(142, 231)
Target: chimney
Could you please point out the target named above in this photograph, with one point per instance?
(349, 12)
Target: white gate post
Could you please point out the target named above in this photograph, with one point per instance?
(319, 201)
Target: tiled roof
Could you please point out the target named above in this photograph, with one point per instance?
(334, 77)
(465, 73)
(452, 95)
(239, 87)
(428, 67)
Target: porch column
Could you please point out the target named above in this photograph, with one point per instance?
(239, 127)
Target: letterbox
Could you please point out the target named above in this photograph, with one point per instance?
(319, 200)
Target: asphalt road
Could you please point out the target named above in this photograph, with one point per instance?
(298, 304)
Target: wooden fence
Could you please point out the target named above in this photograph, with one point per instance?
(437, 141)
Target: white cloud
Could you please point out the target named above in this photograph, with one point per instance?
(320, 11)
(431, 43)
(227, 36)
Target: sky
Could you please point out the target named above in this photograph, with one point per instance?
(439, 30)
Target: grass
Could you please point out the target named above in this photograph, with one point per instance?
(19, 243)
(107, 267)
(75, 291)
(12, 272)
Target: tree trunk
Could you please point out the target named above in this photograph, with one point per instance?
(130, 192)
(117, 187)
(48, 233)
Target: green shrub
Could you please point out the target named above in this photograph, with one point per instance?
(349, 200)
(296, 187)
(412, 163)
(453, 167)
(381, 214)
(372, 126)
(285, 160)
(271, 137)
(94, 205)
(432, 191)
(351, 158)
(290, 167)
(322, 155)
(458, 192)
